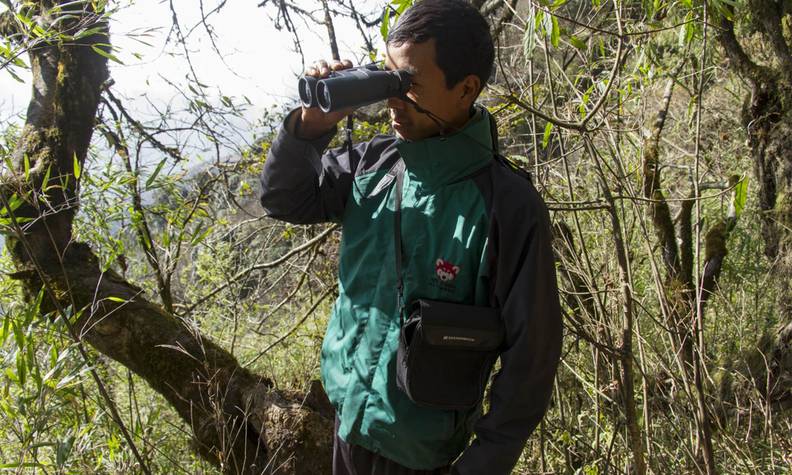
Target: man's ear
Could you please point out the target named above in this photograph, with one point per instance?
(471, 86)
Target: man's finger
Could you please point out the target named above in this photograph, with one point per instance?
(311, 72)
(347, 63)
(338, 65)
(323, 67)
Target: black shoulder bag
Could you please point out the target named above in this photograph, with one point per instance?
(446, 350)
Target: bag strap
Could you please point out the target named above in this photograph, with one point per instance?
(397, 174)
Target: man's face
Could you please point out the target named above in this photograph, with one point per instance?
(451, 106)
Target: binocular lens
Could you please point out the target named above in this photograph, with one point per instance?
(323, 97)
(306, 87)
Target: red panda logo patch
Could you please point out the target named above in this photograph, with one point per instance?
(445, 270)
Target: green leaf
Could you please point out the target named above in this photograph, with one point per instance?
(688, 30)
(87, 32)
(11, 377)
(14, 202)
(107, 54)
(19, 336)
(555, 31)
(200, 237)
(577, 42)
(116, 299)
(546, 138)
(6, 326)
(385, 24)
(740, 196)
(76, 167)
(21, 367)
(156, 172)
(8, 162)
(402, 5)
(27, 166)
(45, 181)
(15, 76)
(63, 449)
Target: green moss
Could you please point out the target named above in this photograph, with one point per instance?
(716, 240)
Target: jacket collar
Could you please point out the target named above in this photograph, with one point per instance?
(439, 160)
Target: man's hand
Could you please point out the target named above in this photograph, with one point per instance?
(315, 123)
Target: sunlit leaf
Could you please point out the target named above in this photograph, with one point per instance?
(740, 196)
(77, 168)
(101, 52)
(555, 31)
(547, 132)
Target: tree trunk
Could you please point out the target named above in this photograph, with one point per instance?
(767, 118)
(238, 421)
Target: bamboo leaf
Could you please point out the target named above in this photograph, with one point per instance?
(385, 23)
(547, 132)
(45, 181)
(740, 196)
(155, 173)
(555, 32)
(577, 42)
(77, 169)
(14, 202)
(63, 449)
(101, 52)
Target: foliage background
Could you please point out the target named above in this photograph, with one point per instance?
(659, 373)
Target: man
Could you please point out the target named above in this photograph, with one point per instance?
(473, 231)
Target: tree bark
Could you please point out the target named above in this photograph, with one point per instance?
(238, 421)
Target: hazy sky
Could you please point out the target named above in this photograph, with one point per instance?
(257, 60)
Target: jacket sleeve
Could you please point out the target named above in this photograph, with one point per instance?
(526, 290)
(303, 184)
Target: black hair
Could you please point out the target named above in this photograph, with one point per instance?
(463, 44)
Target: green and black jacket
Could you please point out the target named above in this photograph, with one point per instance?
(473, 231)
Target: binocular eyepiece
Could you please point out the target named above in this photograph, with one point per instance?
(354, 87)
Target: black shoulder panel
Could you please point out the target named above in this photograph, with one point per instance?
(378, 153)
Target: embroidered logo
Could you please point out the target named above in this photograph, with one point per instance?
(445, 270)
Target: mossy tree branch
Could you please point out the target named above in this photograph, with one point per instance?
(652, 186)
(237, 420)
(769, 13)
(715, 250)
(738, 59)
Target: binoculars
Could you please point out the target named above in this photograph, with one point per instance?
(354, 87)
